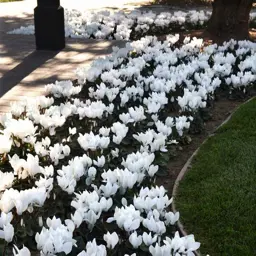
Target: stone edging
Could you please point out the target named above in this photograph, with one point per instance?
(187, 166)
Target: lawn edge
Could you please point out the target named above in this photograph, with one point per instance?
(188, 166)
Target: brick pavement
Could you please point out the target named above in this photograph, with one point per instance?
(24, 72)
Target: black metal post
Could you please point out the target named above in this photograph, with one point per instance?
(49, 25)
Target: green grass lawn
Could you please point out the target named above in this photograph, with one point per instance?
(217, 198)
(4, 1)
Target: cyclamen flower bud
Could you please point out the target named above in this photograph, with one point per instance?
(40, 221)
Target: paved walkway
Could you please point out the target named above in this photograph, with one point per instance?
(24, 72)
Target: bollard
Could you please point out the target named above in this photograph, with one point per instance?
(49, 25)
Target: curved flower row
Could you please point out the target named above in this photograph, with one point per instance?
(78, 167)
(128, 26)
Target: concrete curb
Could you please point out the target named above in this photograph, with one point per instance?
(187, 166)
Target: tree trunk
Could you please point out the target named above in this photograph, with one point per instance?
(230, 19)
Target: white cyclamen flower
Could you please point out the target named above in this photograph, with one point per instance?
(111, 240)
(135, 240)
(22, 252)
(6, 228)
(148, 239)
(58, 238)
(5, 144)
(6, 180)
(93, 249)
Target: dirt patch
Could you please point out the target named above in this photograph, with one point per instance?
(221, 110)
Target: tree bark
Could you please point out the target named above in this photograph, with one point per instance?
(230, 19)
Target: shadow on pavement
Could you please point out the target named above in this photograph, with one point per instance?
(27, 66)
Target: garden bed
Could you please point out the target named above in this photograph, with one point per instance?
(129, 26)
(78, 167)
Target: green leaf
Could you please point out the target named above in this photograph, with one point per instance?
(2, 245)
(144, 248)
(162, 172)
(80, 242)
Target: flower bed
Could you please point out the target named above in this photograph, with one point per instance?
(128, 26)
(78, 167)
